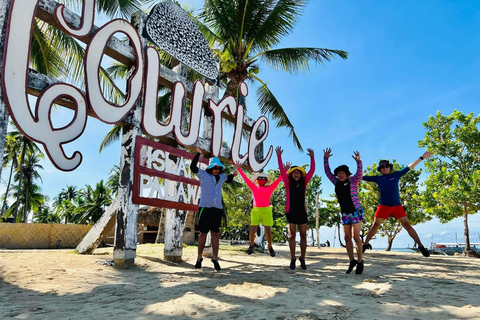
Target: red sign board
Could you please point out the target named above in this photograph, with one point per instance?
(162, 176)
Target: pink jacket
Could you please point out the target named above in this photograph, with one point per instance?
(261, 195)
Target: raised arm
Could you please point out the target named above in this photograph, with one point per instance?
(249, 182)
(283, 173)
(359, 174)
(327, 153)
(426, 155)
(193, 165)
(312, 165)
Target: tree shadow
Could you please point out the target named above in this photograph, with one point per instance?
(393, 286)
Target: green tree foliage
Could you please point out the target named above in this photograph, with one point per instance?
(329, 214)
(453, 186)
(410, 198)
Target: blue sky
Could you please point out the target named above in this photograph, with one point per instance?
(407, 60)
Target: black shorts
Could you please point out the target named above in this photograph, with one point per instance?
(209, 219)
(297, 217)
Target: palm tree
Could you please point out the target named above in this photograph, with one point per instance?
(95, 202)
(10, 156)
(27, 148)
(44, 215)
(30, 174)
(64, 203)
(35, 202)
(245, 33)
(114, 180)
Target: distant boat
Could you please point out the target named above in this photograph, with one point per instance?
(449, 249)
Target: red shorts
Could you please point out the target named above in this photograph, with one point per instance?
(384, 212)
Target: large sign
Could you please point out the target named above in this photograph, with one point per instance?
(35, 121)
(162, 176)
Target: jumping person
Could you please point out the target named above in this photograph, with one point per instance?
(351, 209)
(296, 180)
(210, 207)
(262, 210)
(390, 200)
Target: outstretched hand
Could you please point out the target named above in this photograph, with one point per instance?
(327, 153)
(356, 156)
(237, 164)
(198, 150)
(278, 150)
(310, 152)
(427, 155)
(287, 166)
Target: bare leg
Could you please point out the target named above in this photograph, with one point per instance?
(291, 239)
(302, 228)
(202, 238)
(215, 244)
(253, 230)
(373, 230)
(268, 234)
(407, 226)
(347, 232)
(357, 229)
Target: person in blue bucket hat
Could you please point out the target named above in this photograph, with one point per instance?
(210, 206)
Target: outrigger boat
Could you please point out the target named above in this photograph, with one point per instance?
(449, 249)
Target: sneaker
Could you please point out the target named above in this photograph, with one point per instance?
(302, 262)
(359, 269)
(272, 252)
(198, 265)
(216, 265)
(250, 250)
(352, 265)
(292, 264)
(367, 246)
(424, 251)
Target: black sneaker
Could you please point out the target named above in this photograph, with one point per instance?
(352, 265)
(198, 265)
(292, 264)
(272, 252)
(359, 269)
(367, 246)
(216, 265)
(302, 263)
(424, 251)
(250, 250)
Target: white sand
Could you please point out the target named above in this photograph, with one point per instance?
(59, 284)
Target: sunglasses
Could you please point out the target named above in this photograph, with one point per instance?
(262, 178)
(216, 168)
(383, 167)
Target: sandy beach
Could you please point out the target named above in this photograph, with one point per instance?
(60, 284)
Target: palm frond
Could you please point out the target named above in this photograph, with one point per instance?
(113, 135)
(294, 60)
(270, 106)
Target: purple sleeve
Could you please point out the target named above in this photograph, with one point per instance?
(359, 174)
(328, 171)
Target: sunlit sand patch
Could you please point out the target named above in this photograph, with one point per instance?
(190, 305)
(251, 290)
(422, 267)
(374, 287)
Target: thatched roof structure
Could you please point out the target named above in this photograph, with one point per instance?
(149, 216)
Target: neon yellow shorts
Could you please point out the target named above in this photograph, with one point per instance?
(263, 215)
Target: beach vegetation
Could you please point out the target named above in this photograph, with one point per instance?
(453, 184)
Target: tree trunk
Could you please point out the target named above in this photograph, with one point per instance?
(6, 191)
(20, 178)
(25, 206)
(313, 239)
(466, 230)
(390, 243)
